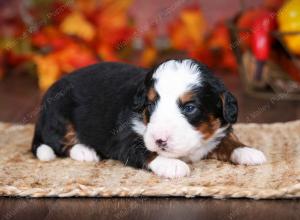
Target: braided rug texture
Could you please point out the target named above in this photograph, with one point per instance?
(23, 175)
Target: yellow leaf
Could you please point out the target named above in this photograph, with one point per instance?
(47, 70)
(76, 24)
(289, 21)
(194, 23)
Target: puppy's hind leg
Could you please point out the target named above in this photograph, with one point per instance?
(47, 141)
(51, 127)
(81, 152)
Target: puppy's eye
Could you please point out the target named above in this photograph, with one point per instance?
(189, 108)
(151, 107)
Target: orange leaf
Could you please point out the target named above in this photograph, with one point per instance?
(148, 57)
(187, 31)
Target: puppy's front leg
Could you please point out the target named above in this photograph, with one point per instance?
(169, 167)
(231, 149)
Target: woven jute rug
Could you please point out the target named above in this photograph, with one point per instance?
(23, 175)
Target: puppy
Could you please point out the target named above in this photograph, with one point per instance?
(159, 120)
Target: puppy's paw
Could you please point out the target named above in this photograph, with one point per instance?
(169, 168)
(81, 152)
(247, 156)
(45, 153)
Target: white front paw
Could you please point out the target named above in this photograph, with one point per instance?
(247, 156)
(169, 168)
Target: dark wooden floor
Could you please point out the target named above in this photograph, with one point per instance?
(147, 208)
(19, 103)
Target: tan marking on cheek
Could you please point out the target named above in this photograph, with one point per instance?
(186, 97)
(209, 127)
(152, 95)
(225, 148)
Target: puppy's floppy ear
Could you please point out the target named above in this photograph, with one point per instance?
(139, 100)
(230, 107)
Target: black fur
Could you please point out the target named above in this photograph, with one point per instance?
(99, 104)
(99, 101)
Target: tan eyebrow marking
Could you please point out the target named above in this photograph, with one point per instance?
(186, 97)
(152, 97)
(152, 94)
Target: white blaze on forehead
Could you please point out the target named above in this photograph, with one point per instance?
(174, 78)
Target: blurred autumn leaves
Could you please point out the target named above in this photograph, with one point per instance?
(87, 33)
(78, 33)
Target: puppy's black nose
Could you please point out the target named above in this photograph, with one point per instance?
(161, 143)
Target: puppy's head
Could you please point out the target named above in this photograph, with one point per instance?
(183, 106)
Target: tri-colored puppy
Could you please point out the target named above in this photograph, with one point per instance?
(158, 120)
